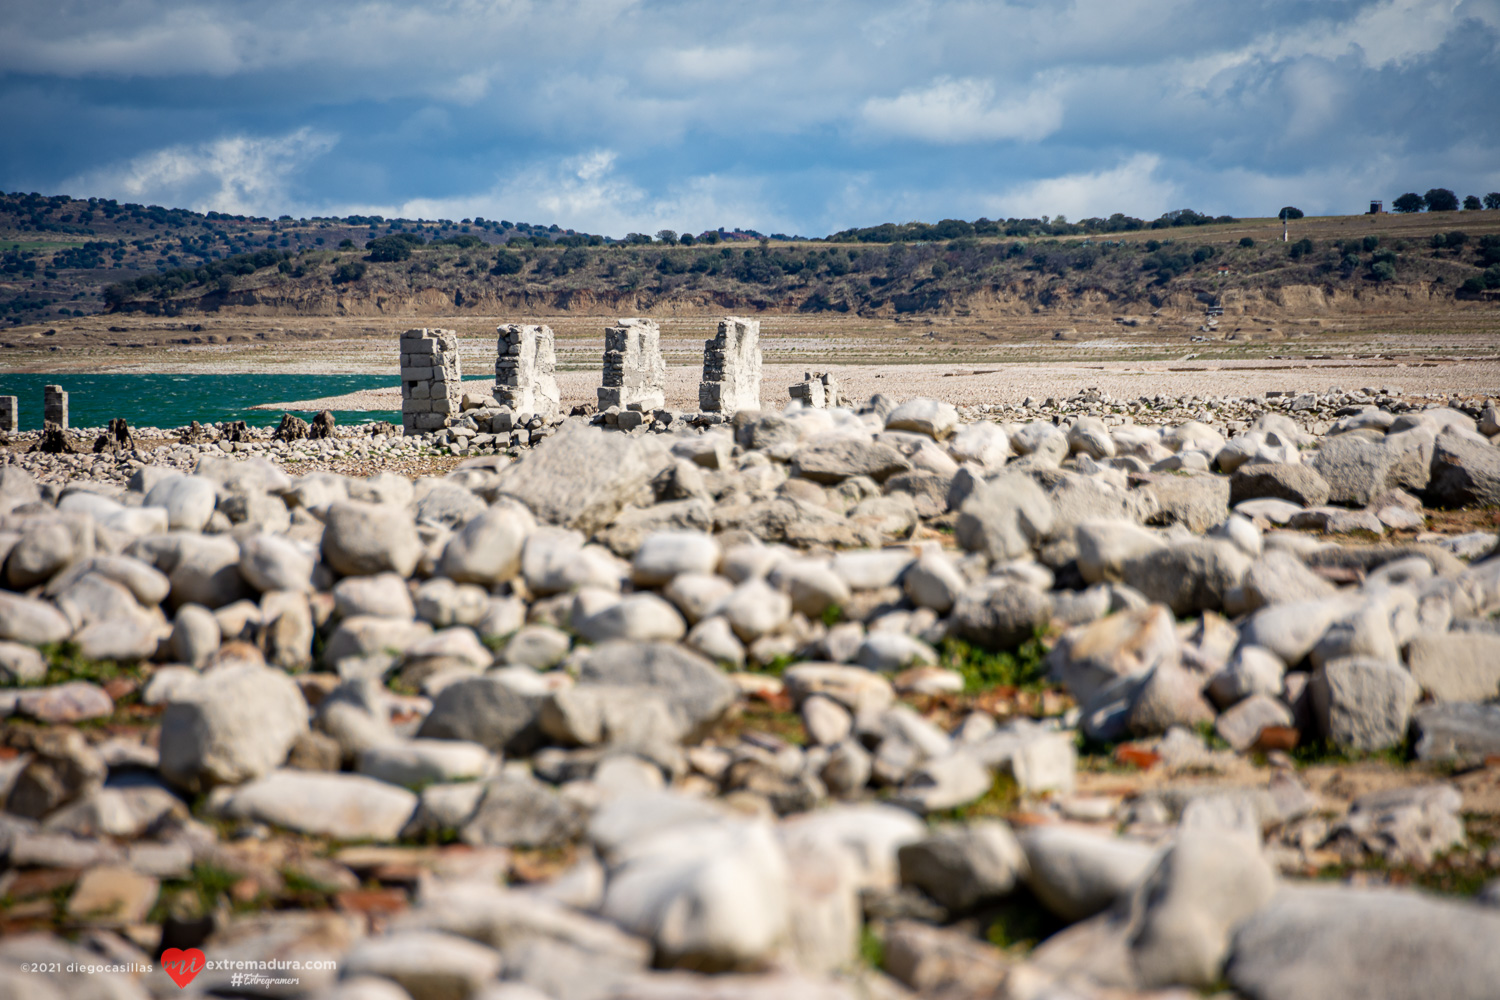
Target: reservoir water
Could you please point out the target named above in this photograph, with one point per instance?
(175, 400)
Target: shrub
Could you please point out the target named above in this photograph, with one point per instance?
(1383, 271)
(1472, 286)
(1492, 277)
(1457, 238)
(1438, 241)
(388, 248)
(508, 262)
(347, 272)
(1301, 248)
(1247, 242)
(1370, 243)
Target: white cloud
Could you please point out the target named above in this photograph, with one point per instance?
(1133, 187)
(587, 193)
(240, 174)
(965, 110)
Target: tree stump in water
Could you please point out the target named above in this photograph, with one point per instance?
(291, 428)
(322, 426)
(55, 441)
(116, 439)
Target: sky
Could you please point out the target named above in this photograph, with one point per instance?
(791, 116)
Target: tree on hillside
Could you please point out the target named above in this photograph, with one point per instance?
(1472, 203)
(1290, 212)
(1441, 200)
(667, 236)
(1409, 202)
(1492, 200)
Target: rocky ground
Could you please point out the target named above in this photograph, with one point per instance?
(1077, 697)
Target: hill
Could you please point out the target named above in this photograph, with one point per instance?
(66, 257)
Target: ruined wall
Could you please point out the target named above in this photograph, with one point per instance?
(731, 367)
(525, 369)
(430, 379)
(635, 376)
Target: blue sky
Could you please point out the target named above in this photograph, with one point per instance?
(635, 115)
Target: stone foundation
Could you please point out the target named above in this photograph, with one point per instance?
(525, 370)
(635, 375)
(430, 379)
(731, 367)
(55, 406)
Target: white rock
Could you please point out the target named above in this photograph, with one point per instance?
(236, 725)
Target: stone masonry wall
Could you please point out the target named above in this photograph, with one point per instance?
(635, 375)
(55, 406)
(525, 370)
(731, 367)
(431, 381)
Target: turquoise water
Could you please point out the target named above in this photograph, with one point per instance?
(175, 400)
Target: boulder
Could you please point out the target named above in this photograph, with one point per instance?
(188, 500)
(1077, 873)
(320, 803)
(490, 711)
(697, 691)
(579, 477)
(1465, 472)
(999, 614)
(1326, 942)
(931, 417)
(235, 726)
(1206, 883)
(710, 895)
(1295, 483)
(1004, 518)
(31, 622)
(1456, 666)
(1363, 703)
(835, 459)
(1189, 577)
(360, 539)
(962, 866)
(487, 549)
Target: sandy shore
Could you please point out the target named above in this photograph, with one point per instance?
(1012, 383)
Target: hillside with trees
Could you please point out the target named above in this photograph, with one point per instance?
(70, 257)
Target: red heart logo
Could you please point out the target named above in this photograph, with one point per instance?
(183, 966)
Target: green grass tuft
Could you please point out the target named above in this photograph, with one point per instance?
(981, 669)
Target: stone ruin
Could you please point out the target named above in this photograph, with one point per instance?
(525, 370)
(635, 376)
(55, 406)
(731, 367)
(816, 390)
(10, 414)
(430, 379)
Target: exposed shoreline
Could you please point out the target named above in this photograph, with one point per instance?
(1011, 383)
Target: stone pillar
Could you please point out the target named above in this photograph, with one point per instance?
(831, 396)
(10, 414)
(809, 391)
(431, 381)
(731, 367)
(55, 406)
(635, 376)
(525, 370)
